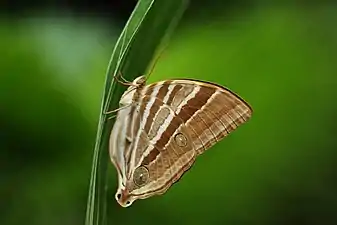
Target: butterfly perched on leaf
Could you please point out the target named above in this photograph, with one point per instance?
(161, 128)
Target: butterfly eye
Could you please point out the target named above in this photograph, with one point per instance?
(141, 176)
(180, 139)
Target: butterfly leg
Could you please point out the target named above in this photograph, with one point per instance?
(120, 79)
(121, 76)
(116, 110)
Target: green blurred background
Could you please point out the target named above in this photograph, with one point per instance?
(280, 168)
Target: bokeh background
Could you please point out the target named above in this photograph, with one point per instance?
(280, 168)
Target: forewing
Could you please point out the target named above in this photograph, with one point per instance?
(209, 111)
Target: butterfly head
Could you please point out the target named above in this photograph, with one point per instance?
(139, 81)
(128, 96)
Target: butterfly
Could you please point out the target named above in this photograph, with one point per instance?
(161, 129)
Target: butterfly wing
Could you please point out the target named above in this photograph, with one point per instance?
(148, 148)
(179, 119)
(117, 145)
(209, 111)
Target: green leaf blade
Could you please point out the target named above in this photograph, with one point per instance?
(151, 22)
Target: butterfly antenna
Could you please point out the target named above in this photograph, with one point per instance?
(121, 76)
(120, 79)
(156, 60)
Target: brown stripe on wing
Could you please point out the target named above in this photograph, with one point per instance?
(151, 156)
(163, 90)
(201, 124)
(188, 85)
(226, 103)
(157, 115)
(209, 132)
(158, 119)
(212, 85)
(240, 113)
(169, 166)
(152, 112)
(162, 185)
(181, 95)
(226, 111)
(166, 165)
(185, 113)
(141, 145)
(212, 112)
(174, 92)
(137, 113)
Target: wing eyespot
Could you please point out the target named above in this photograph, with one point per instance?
(180, 139)
(141, 176)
